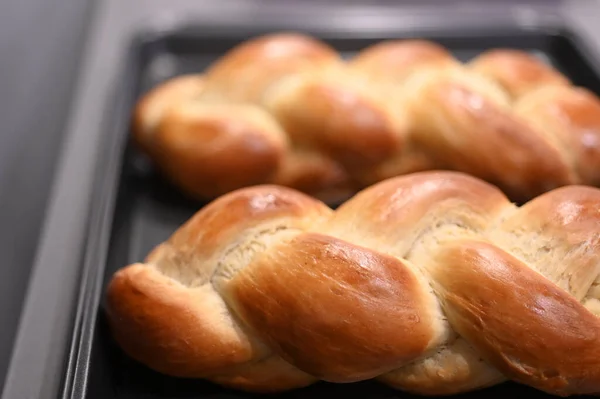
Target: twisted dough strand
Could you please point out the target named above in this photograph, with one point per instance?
(432, 283)
(287, 109)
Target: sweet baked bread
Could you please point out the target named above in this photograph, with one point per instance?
(286, 109)
(431, 282)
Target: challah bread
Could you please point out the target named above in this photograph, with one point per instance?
(286, 109)
(432, 283)
(212, 134)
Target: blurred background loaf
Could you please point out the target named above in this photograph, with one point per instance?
(286, 108)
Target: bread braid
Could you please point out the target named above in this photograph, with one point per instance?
(286, 109)
(432, 282)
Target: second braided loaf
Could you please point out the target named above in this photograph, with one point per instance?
(287, 109)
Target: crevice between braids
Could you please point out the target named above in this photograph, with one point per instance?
(245, 243)
(170, 254)
(250, 244)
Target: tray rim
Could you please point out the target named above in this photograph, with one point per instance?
(81, 261)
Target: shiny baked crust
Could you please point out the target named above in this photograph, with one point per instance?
(433, 283)
(286, 109)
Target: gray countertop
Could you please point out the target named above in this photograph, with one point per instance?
(40, 43)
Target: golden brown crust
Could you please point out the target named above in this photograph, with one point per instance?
(540, 335)
(396, 107)
(336, 285)
(185, 328)
(398, 204)
(432, 283)
(208, 153)
(349, 125)
(312, 172)
(560, 220)
(517, 71)
(484, 139)
(567, 212)
(270, 375)
(573, 117)
(411, 158)
(172, 329)
(397, 59)
(247, 71)
(222, 221)
(151, 108)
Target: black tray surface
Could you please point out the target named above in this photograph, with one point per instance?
(148, 209)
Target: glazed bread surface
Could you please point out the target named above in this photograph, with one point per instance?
(432, 283)
(286, 109)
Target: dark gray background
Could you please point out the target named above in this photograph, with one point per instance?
(40, 43)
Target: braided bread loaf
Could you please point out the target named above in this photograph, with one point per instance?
(286, 109)
(431, 282)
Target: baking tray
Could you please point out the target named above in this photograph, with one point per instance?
(136, 209)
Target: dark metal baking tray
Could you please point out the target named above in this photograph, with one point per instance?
(109, 207)
(148, 209)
